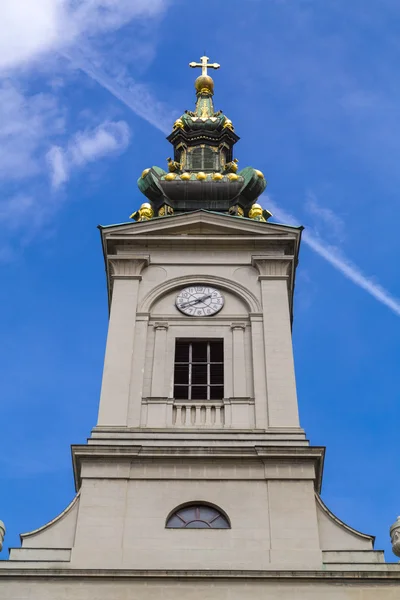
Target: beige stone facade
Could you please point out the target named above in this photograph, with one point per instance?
(245, 453)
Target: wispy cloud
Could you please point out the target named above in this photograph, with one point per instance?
(110, 137)
(27, 122)
(29, 30)
(337, 259)
(326, 217)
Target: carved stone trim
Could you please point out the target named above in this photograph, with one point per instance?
(395, 537)
(161, 325)
(128, 266)
(270, 267)
(238, 326)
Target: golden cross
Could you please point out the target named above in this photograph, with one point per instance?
(204, 64)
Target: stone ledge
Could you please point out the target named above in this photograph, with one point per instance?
(388, 572)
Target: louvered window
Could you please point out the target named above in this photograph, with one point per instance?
(199, 370)
(203, 159)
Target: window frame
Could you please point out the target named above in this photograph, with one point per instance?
(198, 505)
(209, 363)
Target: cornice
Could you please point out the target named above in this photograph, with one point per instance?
(111, 452)
(389, 574)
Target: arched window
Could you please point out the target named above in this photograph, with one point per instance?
(197, 516)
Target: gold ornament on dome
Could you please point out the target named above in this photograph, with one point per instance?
(256, 212)
(228, 125)
(165, 211)
(145, 173)
(232, 166)
(179, 124)
(201, 175)
(217, 176)
(185, 176)
(145, 213)
(236, 211)
(170, 176)
(259, 174)
(173, 165)
(232, 177)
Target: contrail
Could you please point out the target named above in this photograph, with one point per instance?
(340, 262)
(135, 96)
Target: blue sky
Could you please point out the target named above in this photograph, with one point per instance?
(88, 90)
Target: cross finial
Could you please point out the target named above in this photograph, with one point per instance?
(204, 64)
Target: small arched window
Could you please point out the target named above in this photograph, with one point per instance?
(197, 516)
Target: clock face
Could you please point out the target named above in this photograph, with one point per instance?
(199, 301)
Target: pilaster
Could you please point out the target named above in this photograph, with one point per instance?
(125, 274)
(160, 349)
(274, 275)
(239, 360)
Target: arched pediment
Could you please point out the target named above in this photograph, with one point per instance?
(165, 287)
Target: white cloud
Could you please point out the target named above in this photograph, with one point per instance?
(29, 29)
(337, 259)
(110, 137)
(58, 166)
(27, 122)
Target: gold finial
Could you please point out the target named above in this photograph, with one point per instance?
(204, 64)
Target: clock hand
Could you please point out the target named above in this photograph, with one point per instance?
(192, 303)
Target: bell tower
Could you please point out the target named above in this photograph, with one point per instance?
(197, 477)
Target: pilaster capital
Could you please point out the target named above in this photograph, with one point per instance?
(237, 325)
(160, 325)
(129, 266)
(271, 267)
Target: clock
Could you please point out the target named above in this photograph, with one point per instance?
(199, 301)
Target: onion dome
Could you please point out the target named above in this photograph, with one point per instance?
(203, 172)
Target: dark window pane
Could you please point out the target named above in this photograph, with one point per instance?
(197, 158)
(216, 392)
(198, 516)
(209, 159)
(182, 374)
(217, 351)
(207, 513)
(188, 513)
(217, 373)
(181, 392)
(199, 374)
(174, 521)
(220, 523)
(181, 351)
(197, 525)
(199, 392)
(199, 352)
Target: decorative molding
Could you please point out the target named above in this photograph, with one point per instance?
(380, 576)
(127, 267)
(270, 267)
(160, 325)
(395, 537)
(240, 325)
